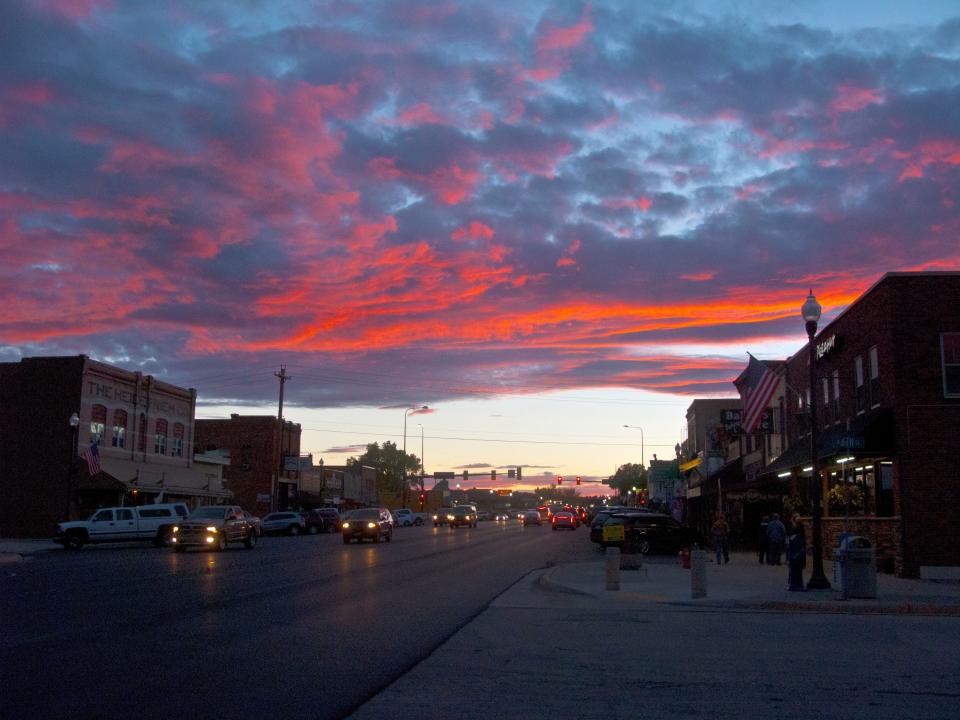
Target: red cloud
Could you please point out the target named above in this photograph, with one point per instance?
(699, 277)
(33, 94)
(564, 38)
(642, 203)
(75, 9)
(932, 152)
(475, 231)
(449, 184)
(421, 114)
(850, 98)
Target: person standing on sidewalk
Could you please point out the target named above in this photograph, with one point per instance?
(796, 556)
(720, 532)
(762, 539)
(776, 537)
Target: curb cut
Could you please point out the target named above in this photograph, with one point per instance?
(546, 583)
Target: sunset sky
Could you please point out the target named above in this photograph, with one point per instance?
(542, 220)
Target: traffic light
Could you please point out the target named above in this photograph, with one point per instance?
(519, 473)
(423, 499)
(559, 479)
(493, 475)
(578, 479)
(643, 497)
(466, 474)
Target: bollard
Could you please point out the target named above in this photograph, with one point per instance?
(698, 574)
(613, 568)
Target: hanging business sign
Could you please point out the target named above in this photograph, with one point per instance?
(731, 419)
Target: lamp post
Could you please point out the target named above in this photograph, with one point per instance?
(74, 432)
(404, 478)
(636, 427)
(811, 315)
(422, 471)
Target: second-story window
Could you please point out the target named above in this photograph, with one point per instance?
(859, 388)
(176, 442)
(98, 422)
(874, 377)
(950, 357)
(827, 407)
(119, 428)
(160, 439)
(836, 396)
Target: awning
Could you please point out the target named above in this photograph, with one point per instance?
(192, 481)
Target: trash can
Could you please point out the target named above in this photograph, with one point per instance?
(858, 568)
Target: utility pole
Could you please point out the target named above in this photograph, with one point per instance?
(278, 445)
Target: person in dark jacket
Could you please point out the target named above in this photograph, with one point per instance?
(776, 538)
(762, 539)
(796, 556)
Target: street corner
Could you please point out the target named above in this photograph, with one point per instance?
(558, 579)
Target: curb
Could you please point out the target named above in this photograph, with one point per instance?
(547, 583)
(10, 558)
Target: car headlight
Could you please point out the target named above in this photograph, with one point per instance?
(371, 525)
(345, 525)
(449, 517)
(211, 528)
(435, 517)
(209, 540)
(176, 528)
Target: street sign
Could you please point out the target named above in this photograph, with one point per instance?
(446, 475)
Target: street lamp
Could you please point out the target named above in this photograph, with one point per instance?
(74, 431)
(811, 315)
(636, 427)
(422, 472)
(405, 413)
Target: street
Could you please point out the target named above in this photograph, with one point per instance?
(298, 627)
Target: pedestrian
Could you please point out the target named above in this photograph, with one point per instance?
(796, 557)
(720, 532)
(762, 539)
(776, 537)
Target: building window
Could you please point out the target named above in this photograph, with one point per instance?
(950, 353)
(98, 422)
(860, 388)
(160, 439)
(827, 407)
(176, 442)
(874, 377)
(836, 396)
(119, 428)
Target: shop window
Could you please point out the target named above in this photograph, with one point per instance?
(142, 439)
(950, 358)
(885, 504)
(98, 422)
(874, 377)
(160, 438)
(119, 428)
(859, 387)
(176, 442)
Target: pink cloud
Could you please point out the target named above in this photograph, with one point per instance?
(700, 276)
(33, 94)
(565, 38)
(475, 231)
(75, 9)
(850, 98)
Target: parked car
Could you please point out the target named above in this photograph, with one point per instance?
(255, 521)
(372, 523)
(405, 517)
(531, 517)
(286, 522)
(483, 515)
(313, 522)
(440, 516)
(649, 532)
(331, 518)
(564, 520)
(214, 526)
(123, 524)
(462, 515)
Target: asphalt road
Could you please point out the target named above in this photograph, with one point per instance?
(303, 627)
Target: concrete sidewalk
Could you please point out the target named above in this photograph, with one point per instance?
(17, 550)
(744, 583)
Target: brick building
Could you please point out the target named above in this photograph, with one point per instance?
(258, 478)
(143, 428)
(888, 416)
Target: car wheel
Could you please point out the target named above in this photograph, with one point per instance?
(645, 547)
(221, 542)
(73, 541)
(251, 541)
(418, 522)
(294, 530)
(346, 539)
(389, 537)
(179, 548)
(313, 530)
(162, 538)
(376, 538)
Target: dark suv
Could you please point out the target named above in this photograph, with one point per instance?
(372, 523)
(650, 532)
(462, 516)
(329, 516)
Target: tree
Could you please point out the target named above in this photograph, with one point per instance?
(391, 463)
(627, 477)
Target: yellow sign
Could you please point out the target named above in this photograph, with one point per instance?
(613, 533)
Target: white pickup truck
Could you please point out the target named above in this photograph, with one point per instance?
(122, 524)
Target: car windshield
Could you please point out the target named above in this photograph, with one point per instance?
(363, 515)
(208, 513)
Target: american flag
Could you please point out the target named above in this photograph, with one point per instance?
(92, 456)
(757, 388)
